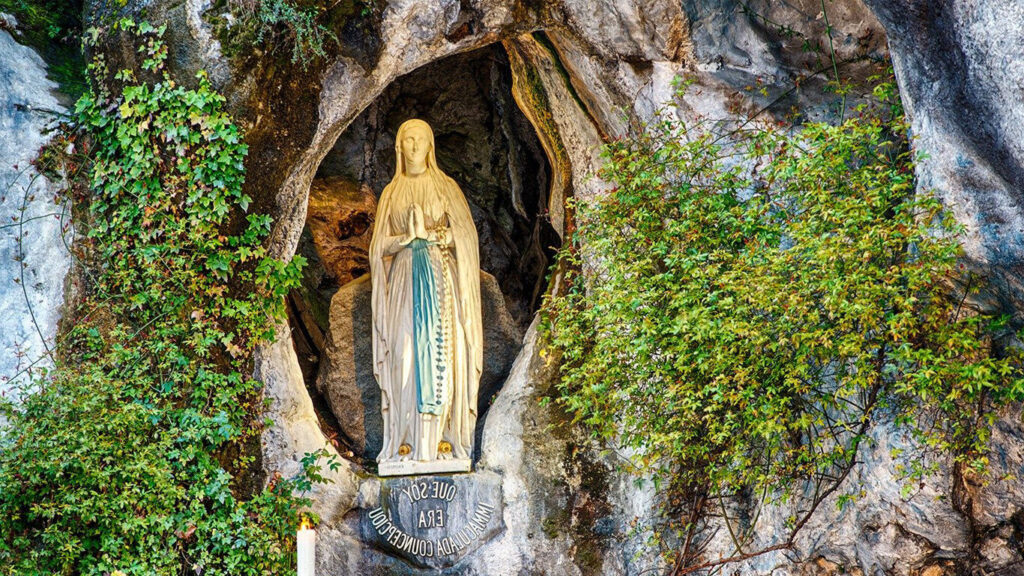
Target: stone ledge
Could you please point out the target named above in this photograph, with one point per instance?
(409, 467)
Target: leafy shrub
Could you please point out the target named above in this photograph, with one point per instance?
(306, 28)
(284, 21)
(744, 305)
(133, 453)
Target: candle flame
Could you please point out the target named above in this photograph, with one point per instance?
(306, 524)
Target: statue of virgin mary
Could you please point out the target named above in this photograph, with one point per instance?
(427, 334)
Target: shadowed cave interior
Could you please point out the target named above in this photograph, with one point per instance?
(485, 142)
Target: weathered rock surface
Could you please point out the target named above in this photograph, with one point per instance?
(340, 218)
(34, 226)
(296, 431)
(346, 371)
(958, 67)
(335, 244)
(883, 532)
(949, 524)
(566, 512)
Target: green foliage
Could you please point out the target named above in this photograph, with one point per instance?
(52, 28)
(303, 27)
(298, 24)
(744, 305)
(131, 454)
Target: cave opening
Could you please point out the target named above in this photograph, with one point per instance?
(489, 147)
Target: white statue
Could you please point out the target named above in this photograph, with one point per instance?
(427, 336)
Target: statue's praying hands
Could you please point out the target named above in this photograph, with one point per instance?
(417, 228)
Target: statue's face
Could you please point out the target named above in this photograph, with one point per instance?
(415, 145)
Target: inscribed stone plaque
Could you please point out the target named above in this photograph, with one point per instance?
(434, 521)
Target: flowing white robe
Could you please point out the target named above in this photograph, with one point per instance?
(456, 270)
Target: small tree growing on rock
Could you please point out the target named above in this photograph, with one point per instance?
(745, 306)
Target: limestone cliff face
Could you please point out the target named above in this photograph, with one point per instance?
(34, 227)
(583, 72)
(958, 69)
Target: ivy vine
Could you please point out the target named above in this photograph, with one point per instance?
(134, 455)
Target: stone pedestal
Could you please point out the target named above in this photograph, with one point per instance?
(433, 521)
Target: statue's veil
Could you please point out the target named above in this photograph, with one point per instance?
(467, 258)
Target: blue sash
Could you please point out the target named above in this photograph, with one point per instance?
(426, 331)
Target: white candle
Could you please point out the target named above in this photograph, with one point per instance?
(306, 550)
